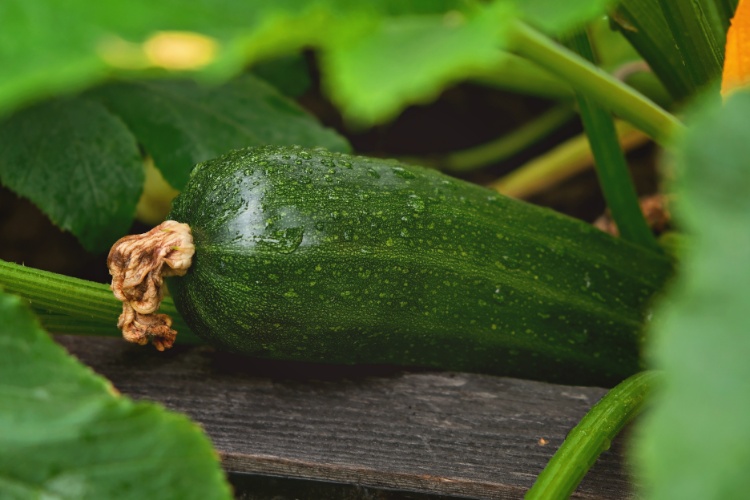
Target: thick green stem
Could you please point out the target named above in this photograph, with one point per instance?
(593, 435)
(596, 84)
(61, 301)
(611, 167)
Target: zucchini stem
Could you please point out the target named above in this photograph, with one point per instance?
(593, 435)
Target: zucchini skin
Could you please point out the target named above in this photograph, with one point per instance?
(326, 257)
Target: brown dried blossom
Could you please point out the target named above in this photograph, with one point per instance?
(138, 265)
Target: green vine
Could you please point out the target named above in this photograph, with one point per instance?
(591, 437)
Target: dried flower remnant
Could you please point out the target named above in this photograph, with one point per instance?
(138, 265)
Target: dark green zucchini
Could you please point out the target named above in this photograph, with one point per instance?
(318, 256)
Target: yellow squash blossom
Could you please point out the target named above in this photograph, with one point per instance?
(737, 55)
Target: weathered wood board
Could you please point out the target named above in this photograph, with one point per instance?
(360, 432)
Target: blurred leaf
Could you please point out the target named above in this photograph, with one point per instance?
(78, 163)
(411, 59)
(519, 75)
(48, 47)
(382, 55)
(404, 7)
(64, 433)
(694, 444)
(181, 123)
(556, 17)
(289, 74)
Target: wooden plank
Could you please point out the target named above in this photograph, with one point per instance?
(381, 428)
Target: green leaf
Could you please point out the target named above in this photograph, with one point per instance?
(78, 163)
(398, 52)
(556, 17)
(289, 74)
(411, 59)
(181, 123)
(64, 433)
(521, 76)
(695, 443)
(48, 47)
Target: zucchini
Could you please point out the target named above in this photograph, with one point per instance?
(325, 257)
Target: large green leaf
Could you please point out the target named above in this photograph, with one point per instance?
(695, 443)
(412, 49)
(76, 161)
(66, 434)
(289, 74)
(181, 123)
(48, 47)
(410, 59)
(559, 17)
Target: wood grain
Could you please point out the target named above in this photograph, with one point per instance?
(379, 428)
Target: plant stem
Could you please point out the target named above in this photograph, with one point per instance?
(560, 163)
(521, 76)
(593, 435)
(508, 145)
(62, 302)
(595, 83)
(611, 167)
